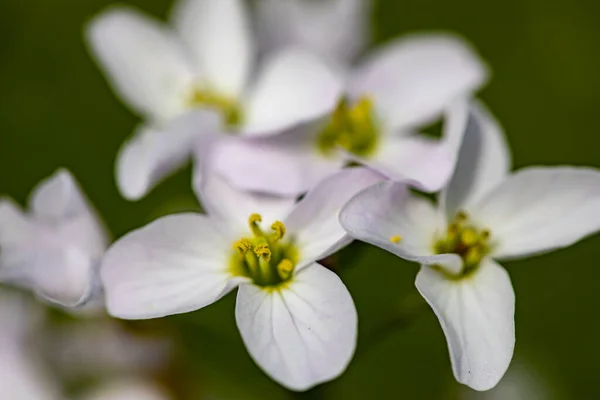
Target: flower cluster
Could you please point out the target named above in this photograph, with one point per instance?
(299, 147)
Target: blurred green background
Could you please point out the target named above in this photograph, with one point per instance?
(56, 110)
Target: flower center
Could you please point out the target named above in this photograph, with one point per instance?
(471, 243)
(229, 108)
(352, 127)
(264, 257)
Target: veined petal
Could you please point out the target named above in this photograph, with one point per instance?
(144, 62)
(539, 209)
(287, 164)
(176, 264)
(153, 153)
(389, 216)
(483, 161)
(126, 389)
(294, 87)
(414, 78)
(477, 316)
(233, 206)
(338, 29)
(302, 334)
(218, 34)
(314, 222)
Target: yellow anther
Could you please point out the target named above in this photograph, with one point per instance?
(279, 229)
(263, 251)
(396, 239)
(242, 245)
(285, 269)
(253, 222)
(473, 256)
(485, 234)
(469, 237)
(362, 111)
(462, 216)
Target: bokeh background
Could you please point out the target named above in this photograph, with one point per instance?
(56, 110)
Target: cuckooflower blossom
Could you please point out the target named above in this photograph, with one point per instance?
(485, 214)
(400, 88)
(54, 248)
(295, 316)
(196, 80)
(337, 30)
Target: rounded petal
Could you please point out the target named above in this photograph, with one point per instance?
(483, 161)
(218, 34)
(232, 207)
(302, 334)
(389, 216)
(477, 316)
(176, 264)
(294, 87)
(539, 209)
(287, 164)
(144, 62)
(314, 222)
(414, 78)
(154, 153)
(127, 389)
(338, 28)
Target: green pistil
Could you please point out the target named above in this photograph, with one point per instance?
(229, 108)
(350, 127)
(265, 257)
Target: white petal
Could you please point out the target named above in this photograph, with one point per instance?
(219, 36)
(314, 222)
(153, 153)
(143, 61)
(539, 209)
(287, 164)
(477, 316)
(414, 78)
(303, 334)
(232, 207)
(294, 87)
(176, 264)
(337, 29)
(389, 209)
(15, 226)
(127, 389)
(483, 161)
(23, 377)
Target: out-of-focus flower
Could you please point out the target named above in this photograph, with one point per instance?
(194, 82)
(296, 317)
(55, 247)
(126, 389)
(400, 88)
(485, 213)
(337, 30)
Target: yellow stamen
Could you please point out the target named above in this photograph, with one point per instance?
(285, 269)
(242, 245)
(279, 229)
(469, 237)
(263, 251)
(473, 256)
(396, 239)
(253, 222)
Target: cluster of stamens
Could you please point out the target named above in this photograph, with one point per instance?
(229, 109)
(465, 239)
(351, 127)
(264, 258)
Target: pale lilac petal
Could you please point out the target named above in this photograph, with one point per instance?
(176, 264)
(389, 216)
(218, 34)
(539, 209)
(314, 222)
(413, 79)
(302, 334)
(294, 87)
(287, 164)
(477, 316)
(143, 61)
(153, 153)
(483, 161)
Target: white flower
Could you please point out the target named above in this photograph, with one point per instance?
(334, 29)
(195, 81)
(485, 214)
(400, 88)
(295, 316)
(55, 247)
